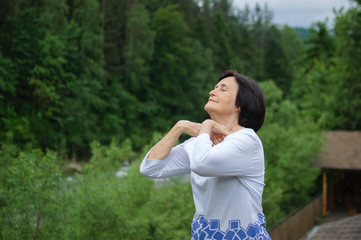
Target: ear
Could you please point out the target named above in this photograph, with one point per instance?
(238, 109)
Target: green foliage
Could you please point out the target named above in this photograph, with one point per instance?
(348, 47)
(24, 34)
(328, 89)
(321, 44)
(7, 91)
(138, 50)
(106, 207)
(41, 204)
(347, 37)
(33, 206)
(277, 65)
(110, 157)
(223, 52)
(290, 141)
(321, 88)
(292, 45)
(176, 69)
(74, 72)
(7, 154)
(172, 208)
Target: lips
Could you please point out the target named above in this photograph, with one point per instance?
(211, 100)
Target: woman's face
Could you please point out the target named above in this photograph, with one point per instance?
(222, 100)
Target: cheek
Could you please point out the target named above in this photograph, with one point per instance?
(231, 101)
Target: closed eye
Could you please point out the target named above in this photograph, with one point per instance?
(223, 87)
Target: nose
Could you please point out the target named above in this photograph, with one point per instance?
(212, 92)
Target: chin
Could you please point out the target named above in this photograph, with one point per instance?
(208, 109)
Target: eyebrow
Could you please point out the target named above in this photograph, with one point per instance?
(221, 85)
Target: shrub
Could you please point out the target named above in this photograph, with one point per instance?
(33, 204)
(110, 158)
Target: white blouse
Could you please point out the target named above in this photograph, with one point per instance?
(227, 183)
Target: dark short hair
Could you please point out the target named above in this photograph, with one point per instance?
(249, 99)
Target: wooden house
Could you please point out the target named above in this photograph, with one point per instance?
(341, 165)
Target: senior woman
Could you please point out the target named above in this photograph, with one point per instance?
(224, 158)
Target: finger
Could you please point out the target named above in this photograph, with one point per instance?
(221, 138)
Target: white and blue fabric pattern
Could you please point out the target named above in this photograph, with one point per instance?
(205, 230)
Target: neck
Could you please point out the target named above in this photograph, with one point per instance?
(230, 123)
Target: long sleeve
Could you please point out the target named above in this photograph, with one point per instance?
(177, 163)
(240, 154)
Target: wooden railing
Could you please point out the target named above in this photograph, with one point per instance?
(299, 222)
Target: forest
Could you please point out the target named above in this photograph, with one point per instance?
(95, 83)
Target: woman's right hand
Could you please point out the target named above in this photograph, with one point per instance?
(162, 149)
(189, 128)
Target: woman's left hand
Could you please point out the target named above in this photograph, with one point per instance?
(217, 138)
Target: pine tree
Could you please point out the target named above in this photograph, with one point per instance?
(277, 67)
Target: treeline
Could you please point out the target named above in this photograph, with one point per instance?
(77, 71)
(97, 80)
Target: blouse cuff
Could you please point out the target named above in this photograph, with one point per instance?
(204, 137)
(149, 166)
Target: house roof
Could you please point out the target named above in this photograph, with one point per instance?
(347, 228)
(342, 151)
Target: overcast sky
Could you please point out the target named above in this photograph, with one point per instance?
(301, 13)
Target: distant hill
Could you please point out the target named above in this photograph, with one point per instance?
(302, 33)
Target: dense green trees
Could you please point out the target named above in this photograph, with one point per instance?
(290, 141)
(93, 80)
(329, 79)
(74, 72)
(57, 76)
